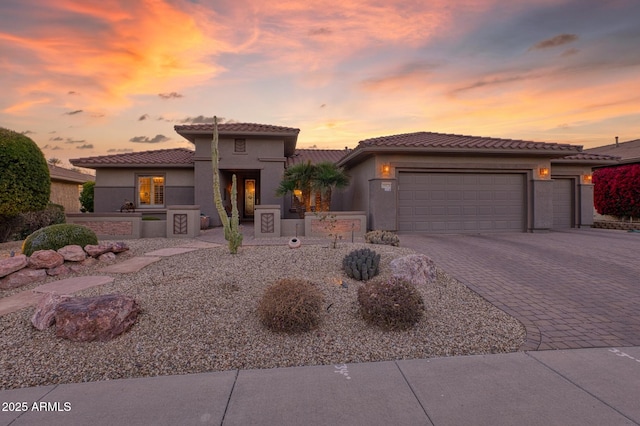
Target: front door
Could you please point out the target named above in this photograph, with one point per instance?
(249, 197)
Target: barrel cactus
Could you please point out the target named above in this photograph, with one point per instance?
(361, 264)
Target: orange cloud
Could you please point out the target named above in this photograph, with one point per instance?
(113, 49)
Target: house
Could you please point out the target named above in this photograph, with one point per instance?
(416, 182)
(66, 186)
(447, 183)
(628, 152)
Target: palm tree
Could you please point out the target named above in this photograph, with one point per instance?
(326, 177)
(298, 178)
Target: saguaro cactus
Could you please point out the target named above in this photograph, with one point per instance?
(231, 228)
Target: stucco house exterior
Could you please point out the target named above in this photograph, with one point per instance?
(418, 182)
(66, 186)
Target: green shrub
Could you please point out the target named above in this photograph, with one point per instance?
(361, 264)
(25, 184)
(32, 221)
(86, 196)
(382, 237)
(290, 305)
(150, 218)
(390, 304)
(57, 236)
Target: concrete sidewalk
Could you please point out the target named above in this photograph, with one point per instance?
(570, 387)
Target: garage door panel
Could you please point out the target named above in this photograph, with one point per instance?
(461, 202)
(563, 207)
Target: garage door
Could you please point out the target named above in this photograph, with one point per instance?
(461, 202)
(562, 203)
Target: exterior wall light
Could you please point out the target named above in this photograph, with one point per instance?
(543, 172)
(386, 169)
(587, 179)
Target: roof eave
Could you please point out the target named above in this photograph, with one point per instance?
(372, 150)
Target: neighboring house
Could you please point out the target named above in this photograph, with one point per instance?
(628, 152)
(66, 186)
(417, 182)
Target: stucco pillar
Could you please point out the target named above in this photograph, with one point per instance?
(585, 192)
(542, 205)
(383, 205)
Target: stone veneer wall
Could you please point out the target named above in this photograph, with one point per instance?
(110, 225)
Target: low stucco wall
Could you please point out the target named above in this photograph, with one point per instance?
(342, 223)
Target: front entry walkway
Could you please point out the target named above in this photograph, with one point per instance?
(572, 289)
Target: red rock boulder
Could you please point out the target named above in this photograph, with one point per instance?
(72, 253)
(22, 277)
(45, 259)
(44, 315)
(85, 319)
(12, 264)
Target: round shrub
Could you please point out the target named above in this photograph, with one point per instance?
(390, 304)
(291, 306)
(57, 236)
(25, 184)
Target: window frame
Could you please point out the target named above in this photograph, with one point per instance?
(152, 193)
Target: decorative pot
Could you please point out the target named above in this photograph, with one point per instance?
(294, 243)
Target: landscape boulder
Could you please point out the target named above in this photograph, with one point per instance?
(107, 257)
(22, 277)
(85, 319)
(418, 269)
(12, 264)
(45, 259)
(44, 315)
(58, 270)
(72, 253)
(97, 250)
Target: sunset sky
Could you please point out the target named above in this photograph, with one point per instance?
(85, 77)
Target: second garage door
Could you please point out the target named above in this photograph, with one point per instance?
(562, 203)
(461, 202)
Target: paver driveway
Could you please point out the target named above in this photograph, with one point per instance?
(571, 289)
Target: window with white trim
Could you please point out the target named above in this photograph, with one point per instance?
(150, 191)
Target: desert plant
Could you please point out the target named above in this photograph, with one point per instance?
(25, 184)
(391, 304)
(382, 237)
(298, 177)
(361, 264)
(57, 236)
(231, 227)
(87, 196)
(291, 306)
(327, 176)
(32, 221)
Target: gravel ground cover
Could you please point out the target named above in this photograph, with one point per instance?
(199, 315)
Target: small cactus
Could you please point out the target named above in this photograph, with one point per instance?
(382, 237)
(361, 264)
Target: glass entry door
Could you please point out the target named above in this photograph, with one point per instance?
(249, 196)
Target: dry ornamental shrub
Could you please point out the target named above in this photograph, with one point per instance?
(291, 306)
(382, 237)
(391, 304)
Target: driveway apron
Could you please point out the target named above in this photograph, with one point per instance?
(570, 289)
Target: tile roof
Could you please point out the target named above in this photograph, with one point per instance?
(460, 142)
(66, 175)
(316, 156)
(236, 128)
(627, 151)
(589, 157)
(175, 157)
